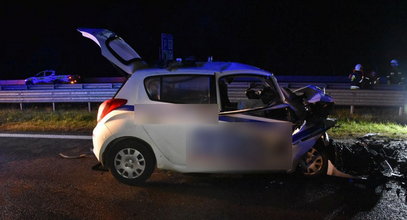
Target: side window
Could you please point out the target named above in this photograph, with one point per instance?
(185, 89)
(152, 86)
(246, 92)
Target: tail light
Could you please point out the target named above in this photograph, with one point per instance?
(108, 106)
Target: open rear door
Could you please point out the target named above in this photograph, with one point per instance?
(115, 49)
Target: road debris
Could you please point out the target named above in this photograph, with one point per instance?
(73, 156)
(372, 156)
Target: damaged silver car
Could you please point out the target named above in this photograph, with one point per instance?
(207, 117)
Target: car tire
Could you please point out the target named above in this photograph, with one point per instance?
(29, 83)
(131, 161)
(57, 81)
(315, 162)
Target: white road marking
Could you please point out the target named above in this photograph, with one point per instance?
(49, 136)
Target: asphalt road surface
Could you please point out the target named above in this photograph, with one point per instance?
(36, 183)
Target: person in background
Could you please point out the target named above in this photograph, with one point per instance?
(369, 80)
(394, 76)
(356, 77)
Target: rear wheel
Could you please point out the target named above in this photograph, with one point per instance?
(131, 161)
(315, 162)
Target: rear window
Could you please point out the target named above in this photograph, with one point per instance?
(121, 50)
(182, 89)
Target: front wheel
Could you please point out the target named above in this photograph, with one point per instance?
(131, 162)
(315, 162)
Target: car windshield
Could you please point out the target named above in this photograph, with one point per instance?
(247, 92)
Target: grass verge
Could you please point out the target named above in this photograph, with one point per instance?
(73, 121)
(384, 121)
(81, 121)
(354, 128)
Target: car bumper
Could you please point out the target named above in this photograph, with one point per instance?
(100, 139)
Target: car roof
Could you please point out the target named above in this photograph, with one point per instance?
(204, 68)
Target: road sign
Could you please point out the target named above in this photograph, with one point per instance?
(167, 47)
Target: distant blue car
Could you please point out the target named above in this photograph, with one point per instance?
(50, 76)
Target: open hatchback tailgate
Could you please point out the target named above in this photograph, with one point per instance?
(115, 49)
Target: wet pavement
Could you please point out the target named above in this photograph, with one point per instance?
(36, 183)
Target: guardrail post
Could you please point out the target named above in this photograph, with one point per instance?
(401, 110)
(405, 104)
(21, 106)
(53, 106)
(89, 107)
(352, 108)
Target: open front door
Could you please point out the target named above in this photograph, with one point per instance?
(239, 142)
(115, 49)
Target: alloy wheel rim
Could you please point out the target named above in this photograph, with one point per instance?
(314, 162)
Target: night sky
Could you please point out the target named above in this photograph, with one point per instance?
(287, 38)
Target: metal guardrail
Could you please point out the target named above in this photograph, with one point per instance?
(61, 86)
(374, 98)
(61, 93)
(58, 93)
(329, 85)
(98, 92)
(344, 96)
(48, 96)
